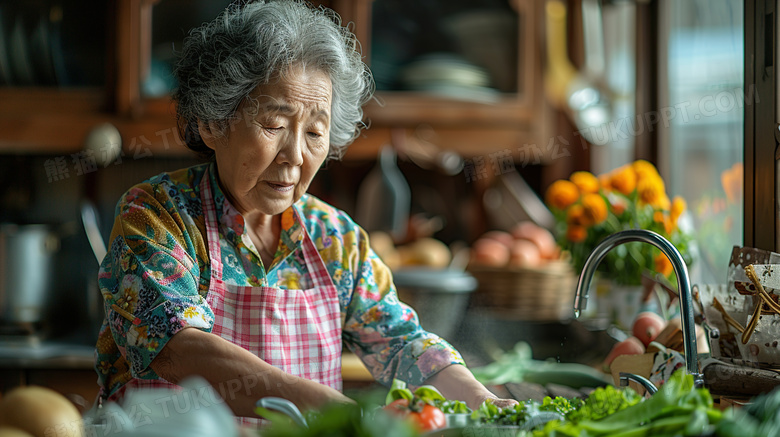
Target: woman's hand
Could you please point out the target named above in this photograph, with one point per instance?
(456, 382)
(501, 403)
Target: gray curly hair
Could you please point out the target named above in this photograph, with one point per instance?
(222, 62)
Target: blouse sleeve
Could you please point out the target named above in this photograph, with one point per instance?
(384, 332)
(150, 278)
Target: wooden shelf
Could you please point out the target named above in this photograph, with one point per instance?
(48, 120)
(404, 108)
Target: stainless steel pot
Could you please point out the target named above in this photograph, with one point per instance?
(26, 266)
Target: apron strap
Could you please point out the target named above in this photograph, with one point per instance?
(212, 227)
(314, 262)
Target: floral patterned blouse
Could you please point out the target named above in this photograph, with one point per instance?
(155, 279)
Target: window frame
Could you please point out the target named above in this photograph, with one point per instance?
(761, 130)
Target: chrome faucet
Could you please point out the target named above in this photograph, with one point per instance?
(683, 287)
(625, 377)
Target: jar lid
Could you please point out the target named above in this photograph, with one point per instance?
(436, 280)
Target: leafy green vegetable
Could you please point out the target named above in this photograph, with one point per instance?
(489, 413)
(426, 393)
(602, 402)
(676, 409)
(429, 394)
(397, 391)
(342, 420)
(561, 405)
(453, 407)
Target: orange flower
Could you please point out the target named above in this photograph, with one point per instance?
(576, 216)
(678, 207)
(576, 234)
(663, 265)
(644, 169)
(561, 194)
(732, 183)
(604, 181)
(652, 191)
(623, 180)
(665, 220)
(595, 208)
(658, 216)
(585, 181)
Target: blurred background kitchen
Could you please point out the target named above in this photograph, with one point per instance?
(480, 107)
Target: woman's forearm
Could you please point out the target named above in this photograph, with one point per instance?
(456, 382)
(236, 374)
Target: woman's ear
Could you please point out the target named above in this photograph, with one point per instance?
(206, 131)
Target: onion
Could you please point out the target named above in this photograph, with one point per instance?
(41, 412)
(426, 252)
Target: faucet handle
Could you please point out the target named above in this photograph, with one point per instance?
(625, 377)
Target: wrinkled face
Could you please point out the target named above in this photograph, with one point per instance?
(268, 157)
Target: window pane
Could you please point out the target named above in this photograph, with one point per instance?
(702, 149)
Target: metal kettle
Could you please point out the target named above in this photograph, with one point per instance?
(26, 262)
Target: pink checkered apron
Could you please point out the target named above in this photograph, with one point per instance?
(297, 331)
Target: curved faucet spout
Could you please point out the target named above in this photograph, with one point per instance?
(683, 286)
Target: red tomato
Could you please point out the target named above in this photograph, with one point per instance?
(427, 418)
(399, 407)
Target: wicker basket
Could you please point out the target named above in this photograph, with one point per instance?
(535, 294)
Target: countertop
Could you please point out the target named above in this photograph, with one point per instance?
(46, 354)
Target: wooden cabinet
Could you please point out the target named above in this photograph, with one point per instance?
(56, 120)
(515, 117)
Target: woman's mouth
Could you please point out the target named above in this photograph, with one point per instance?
(281, 187)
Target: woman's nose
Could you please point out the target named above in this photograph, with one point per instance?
(291, 152)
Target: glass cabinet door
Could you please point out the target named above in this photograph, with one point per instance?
(53, 43)
(457, 49)
(171, 21)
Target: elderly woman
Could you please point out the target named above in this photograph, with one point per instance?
(229, 270)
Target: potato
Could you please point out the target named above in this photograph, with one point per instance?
(41, 412)
(383, 246)
(489, 253)
(428, 252)
(381, 242)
